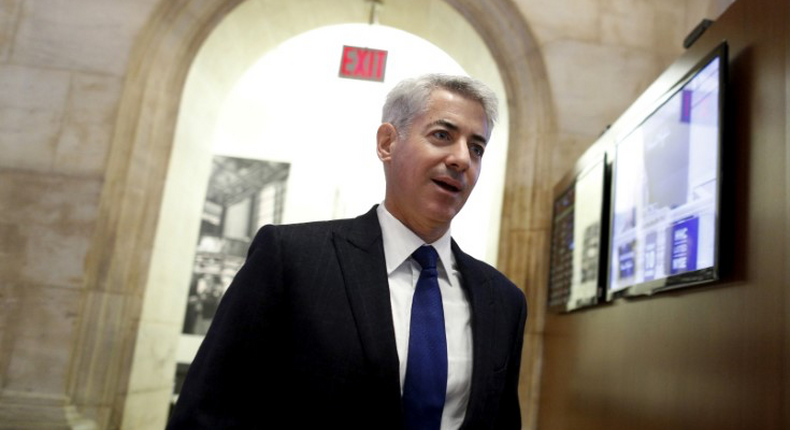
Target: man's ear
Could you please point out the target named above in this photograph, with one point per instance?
(385, 137)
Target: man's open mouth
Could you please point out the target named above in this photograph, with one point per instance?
(449, 187)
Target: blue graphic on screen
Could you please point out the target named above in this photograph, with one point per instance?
(665, 187)
(650, 256)
(684, 246)
(625, 254)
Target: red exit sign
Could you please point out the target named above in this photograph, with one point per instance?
(363, 63)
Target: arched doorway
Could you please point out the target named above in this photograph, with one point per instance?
(136, 317)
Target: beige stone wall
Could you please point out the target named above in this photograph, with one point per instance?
(600, 56)
(62, 66)
(89, 93)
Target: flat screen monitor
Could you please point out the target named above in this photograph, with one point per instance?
(666, 186)
(575, 279)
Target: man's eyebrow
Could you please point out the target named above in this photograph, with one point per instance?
(449, 125)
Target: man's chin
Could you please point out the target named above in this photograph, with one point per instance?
(444, 215)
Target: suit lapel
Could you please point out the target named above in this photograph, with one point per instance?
(361, 255)
(481, 304)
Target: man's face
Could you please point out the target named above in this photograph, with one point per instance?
(432, 170)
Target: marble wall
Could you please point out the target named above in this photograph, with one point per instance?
(61, 74)
(81, 79)
(601, 55)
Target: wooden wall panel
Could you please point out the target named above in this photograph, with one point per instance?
(710, 357)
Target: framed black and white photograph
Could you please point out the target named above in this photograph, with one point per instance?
(242, 196)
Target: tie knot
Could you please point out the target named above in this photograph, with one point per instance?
(426, 256)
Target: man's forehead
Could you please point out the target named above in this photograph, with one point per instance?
(443, 112)
(440, 97)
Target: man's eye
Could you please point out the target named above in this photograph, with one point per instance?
(441, 134)
(477, 150)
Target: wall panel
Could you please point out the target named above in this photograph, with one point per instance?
(708, 357)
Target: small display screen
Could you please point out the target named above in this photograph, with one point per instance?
(561, 250)
(665, 190)
(576, 241)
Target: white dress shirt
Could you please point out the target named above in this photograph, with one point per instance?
(403, 273)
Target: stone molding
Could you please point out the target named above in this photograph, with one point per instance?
(30, 411)
(118, 259)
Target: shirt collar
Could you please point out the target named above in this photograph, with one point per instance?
(400, 242)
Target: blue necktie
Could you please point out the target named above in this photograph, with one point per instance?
(425, 386)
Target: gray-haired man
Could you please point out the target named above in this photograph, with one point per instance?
(376, 322)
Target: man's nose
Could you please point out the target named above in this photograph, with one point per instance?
(459, 158)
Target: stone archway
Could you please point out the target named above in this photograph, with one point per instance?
(120, 254)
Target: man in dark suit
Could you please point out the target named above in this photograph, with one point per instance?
(338, 324)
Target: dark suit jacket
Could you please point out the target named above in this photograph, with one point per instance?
(304, 336)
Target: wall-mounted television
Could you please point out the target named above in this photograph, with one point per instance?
(579, 223)
(665, 186)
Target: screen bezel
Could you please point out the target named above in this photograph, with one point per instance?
(690, 278)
